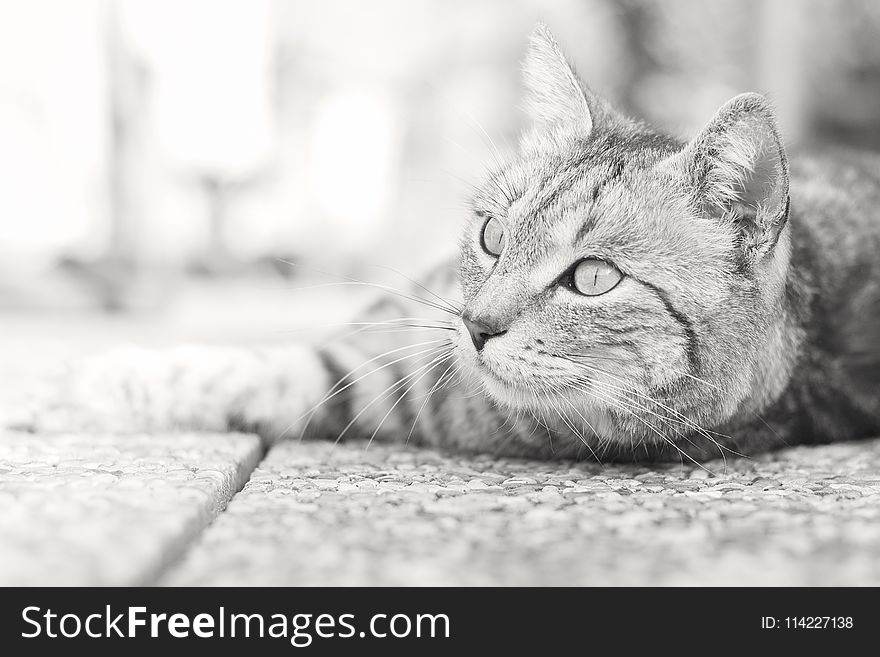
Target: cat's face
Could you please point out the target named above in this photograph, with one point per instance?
(612, 276)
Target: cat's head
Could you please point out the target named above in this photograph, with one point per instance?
(610, 272)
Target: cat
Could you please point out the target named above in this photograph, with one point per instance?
(619, 294)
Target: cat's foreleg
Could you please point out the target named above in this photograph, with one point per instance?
(369, 386)
(383, 380)
(192, 388)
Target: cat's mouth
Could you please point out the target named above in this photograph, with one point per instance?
(555, 400)
(498, 378)
(513, 373)
(510, 379)
(522, 390)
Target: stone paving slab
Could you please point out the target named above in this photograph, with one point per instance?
(312, 514)
(111, 510)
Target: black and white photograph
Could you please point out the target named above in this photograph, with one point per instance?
(386, 293)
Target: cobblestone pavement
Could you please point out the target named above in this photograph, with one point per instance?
(314, 514)
(105, 510)
(119, 510)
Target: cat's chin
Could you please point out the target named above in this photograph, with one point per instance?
(505, 385)
(523, 392)
(504, 390)
(507, 392)
(544, 399)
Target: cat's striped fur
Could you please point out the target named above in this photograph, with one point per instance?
(746, 318)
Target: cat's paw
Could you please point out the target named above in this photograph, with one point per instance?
(189, 388)
(122, 391)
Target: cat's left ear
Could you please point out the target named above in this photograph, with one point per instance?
(555, 94)
(738, 168)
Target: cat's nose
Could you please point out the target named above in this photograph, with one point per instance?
(481, 331)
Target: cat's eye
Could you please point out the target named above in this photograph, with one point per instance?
(593, 277)
(493, 237)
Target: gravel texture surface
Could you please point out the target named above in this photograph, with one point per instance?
(315, 514)
(109, 510)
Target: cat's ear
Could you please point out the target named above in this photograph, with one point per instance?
(554, 93)
(738, 168)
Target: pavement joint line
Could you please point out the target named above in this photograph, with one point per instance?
(178, 554)
(314, 514)
(112, 510)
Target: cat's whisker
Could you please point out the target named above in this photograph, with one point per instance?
(431, 392)
(616, 404)
(592, 428)
(676, 371)
(417, 322)
(550, 405)
(475, 393)
(386, 326)
(577, 433)
(455, 379)
(448, 372)
(437, 362)
(666, 419)
(684, 419)
(308, 415)
(688, 375)
(387, 392)
(378, 286)
(507, 193)
(369, 330)
(547, 429)
(504, 192)
(403, 328)
(677, 416)
(542, 423)
(534, 425)
(508, 188)
(660, 434)
(593, 357)
(507, 419)
(633, 406)
(453, 306)
(472, 187)
(439, 341)
(470, 393)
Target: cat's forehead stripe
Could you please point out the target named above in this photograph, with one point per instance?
(576, 172)
(558, 181)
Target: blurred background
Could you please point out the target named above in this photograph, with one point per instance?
(165, 160)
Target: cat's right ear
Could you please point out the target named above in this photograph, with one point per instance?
(555, 94)
(739, 172)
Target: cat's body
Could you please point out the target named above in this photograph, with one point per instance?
(619, 295)
(833, 392)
